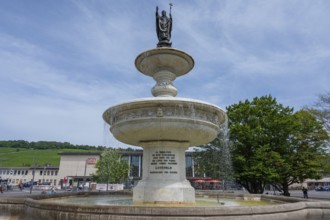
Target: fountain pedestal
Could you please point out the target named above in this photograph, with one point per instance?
(165, 127)
(164, 174)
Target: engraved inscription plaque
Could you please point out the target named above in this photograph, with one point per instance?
(163, 162)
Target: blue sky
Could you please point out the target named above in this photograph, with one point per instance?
(64, 62)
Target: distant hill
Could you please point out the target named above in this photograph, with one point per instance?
(22, 153)
(22, 157)
(42, 145)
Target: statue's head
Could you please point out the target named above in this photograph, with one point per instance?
(164, 13)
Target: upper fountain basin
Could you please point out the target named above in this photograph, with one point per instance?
(163, 58)
(165, 119)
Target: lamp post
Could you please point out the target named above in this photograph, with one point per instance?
(43, 176)
(85, 175)
(32, 181)
(33, 174)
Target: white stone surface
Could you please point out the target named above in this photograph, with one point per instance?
(173, 60)
(164, 65)
(164, 175)
(161, 118)
(165, 127)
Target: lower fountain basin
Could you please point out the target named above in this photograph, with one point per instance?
(165, 119)
(40, 208)
(126, 200)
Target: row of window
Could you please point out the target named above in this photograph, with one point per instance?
(14, 172)
(48, 172)
(25, 172)
(40, 181)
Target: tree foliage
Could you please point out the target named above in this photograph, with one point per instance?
(111, 168)
(274, 145)
(326, 166)
(322, 110)
(305, 154)
(48, 145)
(257, 128)
(43, 145)
(214, 159)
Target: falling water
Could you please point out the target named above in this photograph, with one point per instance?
(110, 141)
(226, 158)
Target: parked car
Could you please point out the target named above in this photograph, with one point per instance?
(322, 188)
(46, 183)
(28, 184)
(319, 188)
(326, 188)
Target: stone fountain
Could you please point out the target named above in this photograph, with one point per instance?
(165, 126)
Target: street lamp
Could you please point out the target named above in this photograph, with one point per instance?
(43, 176)
(32, 181)
(83, 188)
(34, 162)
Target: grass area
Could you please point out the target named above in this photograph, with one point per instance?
(9, 149)
(12, 157)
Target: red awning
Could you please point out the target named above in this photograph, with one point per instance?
(207, 181)
(214, 181)
(199, 181)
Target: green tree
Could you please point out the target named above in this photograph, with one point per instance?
(305, 155)
(321, 110)
(259, 131)
(111, 168)
(326, 165)
(271, 144)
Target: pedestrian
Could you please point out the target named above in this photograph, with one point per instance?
(1, 188)
(20, 186)
(305, 192)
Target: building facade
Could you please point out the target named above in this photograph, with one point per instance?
(41, 175)
(77, 168)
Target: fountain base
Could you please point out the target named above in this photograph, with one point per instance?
(164, 177)
(166, 192)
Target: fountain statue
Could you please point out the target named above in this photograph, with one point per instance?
(164, 28)
(165, 126)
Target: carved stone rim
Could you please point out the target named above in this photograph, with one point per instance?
(159, 107)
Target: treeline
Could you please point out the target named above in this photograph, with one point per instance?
(43, 145)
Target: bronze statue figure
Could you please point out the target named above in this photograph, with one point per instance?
(164, 28)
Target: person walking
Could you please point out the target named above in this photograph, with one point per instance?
(20, 186)
(305, 192)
